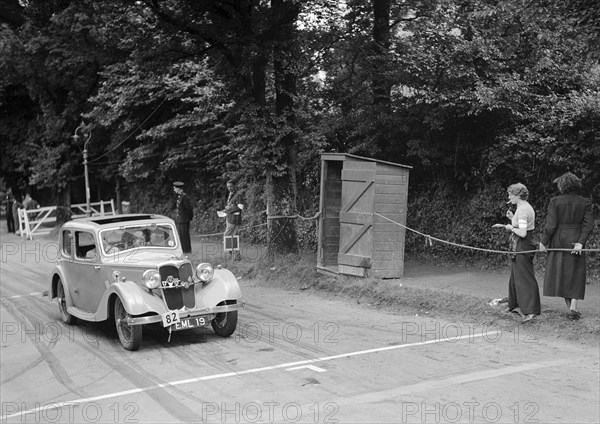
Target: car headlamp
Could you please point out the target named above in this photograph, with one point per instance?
(204, 272)
(151, 278)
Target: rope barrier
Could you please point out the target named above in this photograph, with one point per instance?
(429, 241)
(297, 216)
(294, 216)
(221, 233)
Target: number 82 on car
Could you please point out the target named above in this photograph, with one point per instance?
(172, 318)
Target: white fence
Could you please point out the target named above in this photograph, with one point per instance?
(42, 220)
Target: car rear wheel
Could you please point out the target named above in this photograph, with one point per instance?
(225, 323)
(62, 304)
(130, 335)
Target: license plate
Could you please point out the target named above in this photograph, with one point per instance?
(170, 318)
(187, 323)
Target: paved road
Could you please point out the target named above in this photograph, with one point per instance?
(296, 357)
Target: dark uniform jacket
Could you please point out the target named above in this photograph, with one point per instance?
(184, 212)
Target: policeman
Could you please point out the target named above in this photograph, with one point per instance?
(184, 212)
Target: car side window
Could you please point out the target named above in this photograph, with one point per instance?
(85, 245)
(67, 242)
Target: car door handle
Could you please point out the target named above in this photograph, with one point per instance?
(96, 266)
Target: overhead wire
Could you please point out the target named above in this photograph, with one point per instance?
(130, 134)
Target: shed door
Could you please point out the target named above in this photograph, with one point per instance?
(356, 221)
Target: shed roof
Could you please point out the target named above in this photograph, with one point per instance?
(343, 156)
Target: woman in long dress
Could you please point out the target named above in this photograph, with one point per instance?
(523, 290)
(568, 226)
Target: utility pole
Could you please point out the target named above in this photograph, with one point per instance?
(87, 133)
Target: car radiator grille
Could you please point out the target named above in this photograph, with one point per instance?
(176, 295)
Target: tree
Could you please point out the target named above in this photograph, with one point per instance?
(473, 94)
(58, 66)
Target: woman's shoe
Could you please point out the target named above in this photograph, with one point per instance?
(517, 310)
(528, 317)
(573, 315)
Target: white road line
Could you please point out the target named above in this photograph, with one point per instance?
(23, 295)
(239, 373)
(310, 367)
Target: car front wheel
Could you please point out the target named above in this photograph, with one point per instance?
(62, 304)
(130, 335)
(225, 323)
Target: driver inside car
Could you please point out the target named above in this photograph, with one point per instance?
(139, 238)
(127, 240)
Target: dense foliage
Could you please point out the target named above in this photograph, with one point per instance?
(473, 94)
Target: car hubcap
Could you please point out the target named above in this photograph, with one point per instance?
(222, 322)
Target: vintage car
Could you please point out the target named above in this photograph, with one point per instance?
(131, 269)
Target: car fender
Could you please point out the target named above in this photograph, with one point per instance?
(58, 273)
(223, 286)
(137, 300)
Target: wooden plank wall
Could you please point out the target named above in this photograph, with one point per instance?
(391, 196)
(332, 189)
(356, 225)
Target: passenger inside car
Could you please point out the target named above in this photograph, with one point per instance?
(158, 237)
(85, 245)
(139, 238)
(91, 254)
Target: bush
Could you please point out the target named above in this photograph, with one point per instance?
(466, 218)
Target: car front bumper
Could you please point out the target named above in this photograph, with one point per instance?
(186, 313)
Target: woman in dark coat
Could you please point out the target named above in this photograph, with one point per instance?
(568, 225)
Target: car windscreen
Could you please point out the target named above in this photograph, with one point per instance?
(137, 236)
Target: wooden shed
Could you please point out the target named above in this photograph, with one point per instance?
(352, 238)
